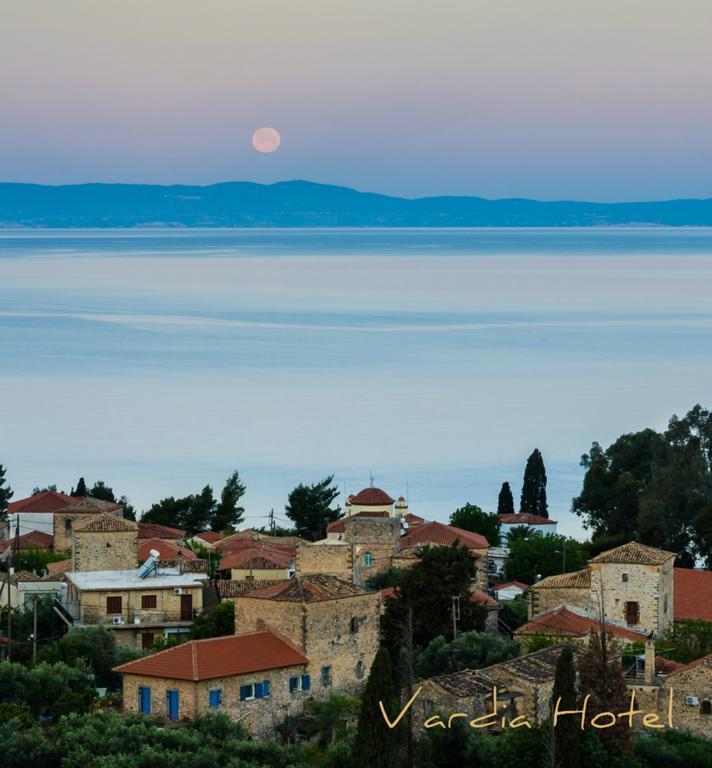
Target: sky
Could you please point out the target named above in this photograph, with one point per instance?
(550, 99)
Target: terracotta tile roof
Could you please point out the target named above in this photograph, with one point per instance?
(467, 683)
(514, 583)
(574, 580)
(29, 540)
(238, 587)
(313, 588)
(104, 523)
(482, 597)
(166, 550)
(666, 666)
(252, 535)
(59, 567)
(440, 534)
(692, 594)
(89, 504)
(564, 622)
(525, 518)
(219, 657)
(635, 554)
(388, 592)
(259, 556)
(339, 526)
(49, 501)
(535, 667)
(705, 661)
(413, 520)
(372, 497)
(156, 531)
(210, 536)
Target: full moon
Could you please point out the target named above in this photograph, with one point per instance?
(266, 140)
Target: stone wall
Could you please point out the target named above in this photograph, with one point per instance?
(105, 550)
(260, 716)
(693, 681)
(334, 559)
(340, 633)
(543, 600)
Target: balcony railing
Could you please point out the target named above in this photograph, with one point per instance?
(129, 617)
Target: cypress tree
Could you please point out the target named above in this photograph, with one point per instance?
(505, 501)
(81, 489)
(6, 493)
(567, 733)
(375, 743)
(533, 498)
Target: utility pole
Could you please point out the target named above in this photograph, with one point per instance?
(34, 628)
(455, 615)
(272, 524)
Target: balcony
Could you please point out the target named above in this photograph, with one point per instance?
(77, 616)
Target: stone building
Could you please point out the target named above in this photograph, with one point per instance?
(633, 584)
(259, 678)
(374, 501)
(104, 543)
(333, 621)
(65, 518)
(258, 561)
(137, 607)
(691, 687)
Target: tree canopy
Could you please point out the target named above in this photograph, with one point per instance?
(473, 518)
(309, 508)
(539, 556)
(533, 498)
(654, 487)
(505, 501)
(6, 493)
(469, 650)
(228, 514)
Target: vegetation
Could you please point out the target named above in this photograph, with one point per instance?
(6, 494)
(218, 623)
(228, 514)
(309, 508)
(514, 612)
(539, 556)
(473, 518)
(49, 628)
(654, 487)
(533, 498)
(505, 501)
(686, 641)
(36, 560)
(472, 650)
(566, 736)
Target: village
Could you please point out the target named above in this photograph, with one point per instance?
(307, 619)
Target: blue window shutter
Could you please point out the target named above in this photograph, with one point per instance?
(265, 688)
(215, 698)
(258, 690)
(243, 693)
(292, 684)
(306, 682)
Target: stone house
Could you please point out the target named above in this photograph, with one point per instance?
(258, 561)
(565, 624)
(333, 621)
(632, 583)
(537, 523)
(104, 543)
(691, 687)
(137, 607)
(64, 519)
(259, 678)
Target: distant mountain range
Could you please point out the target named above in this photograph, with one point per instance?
(305, 204)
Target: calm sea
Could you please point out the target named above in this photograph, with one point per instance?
(158, 361)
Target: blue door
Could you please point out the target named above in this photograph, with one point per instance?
(144, 700)
(172, 705)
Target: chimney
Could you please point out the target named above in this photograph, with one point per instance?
(649, 661)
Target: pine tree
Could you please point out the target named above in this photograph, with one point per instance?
(375, 741)
(567, 733)
(309, 508)
(505, 501)
(6, 493)
(201, 511)
(81, 490)
(228, 515)
(533, 500)
(100, 490)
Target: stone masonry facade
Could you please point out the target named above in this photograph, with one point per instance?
(105, 543)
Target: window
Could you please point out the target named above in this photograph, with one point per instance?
(665, 603)
(147, 640)
(68, 525)
(624, 577)
(299, 683)
(428, 707)
(706, 707)
(254, 691)
(148, 601)
(368, 559)
(326, 675)
(353, 626)
(632, 613)
(215, 699)
(359, 670)
(113, 604)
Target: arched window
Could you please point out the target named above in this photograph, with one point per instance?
(368, 559)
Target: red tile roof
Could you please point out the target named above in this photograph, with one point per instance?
(312, 588)
(30, 540)
(103, 523)
(525, 518)
(563, 622)
(413, 520)
(260, 556)
(482, 597)
(156, 531)
(692, 594)
(634, 553)
(339, 526)
(166, 550)
(372, 497)
(705, 661)
(219, 657)
(59, 567)
(49, 501)
(440, 534)
(514, 583)
(666, 666)
(210, 536)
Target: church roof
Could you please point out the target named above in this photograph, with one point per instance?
(372, 497)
